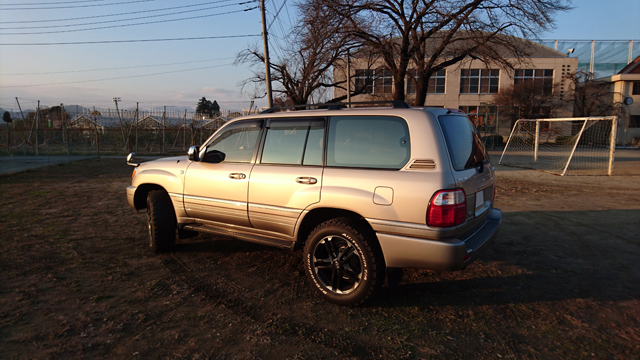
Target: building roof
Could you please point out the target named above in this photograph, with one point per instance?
(526, 47)
(632, 68)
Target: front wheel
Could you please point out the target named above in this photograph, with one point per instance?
(344, 261)
(161, 219)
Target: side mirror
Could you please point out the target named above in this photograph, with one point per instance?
(214, 157)
(130, 158)
(194, 153)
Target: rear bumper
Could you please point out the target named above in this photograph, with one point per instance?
(445, 254)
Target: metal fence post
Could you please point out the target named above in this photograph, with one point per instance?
(163, 126)
(535, 149)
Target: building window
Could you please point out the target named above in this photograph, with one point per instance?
(383, 82)
(479, 81)
(374, 81)
(364, 79)
(541, 79)
(436, 82)
(483, 115)
(634, 121)
(412, 77)
(636, 88)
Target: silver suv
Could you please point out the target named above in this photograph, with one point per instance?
(367, 191)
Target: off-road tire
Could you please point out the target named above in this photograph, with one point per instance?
(344, 261)
(161, 219)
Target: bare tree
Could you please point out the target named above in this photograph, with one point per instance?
(530, 100)
(433, 34)
(592, 97)
(305, 67)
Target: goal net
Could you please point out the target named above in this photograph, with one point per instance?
(570, 146)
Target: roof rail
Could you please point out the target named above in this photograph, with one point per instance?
(397, 104)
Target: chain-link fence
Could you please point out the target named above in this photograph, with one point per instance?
(494, 122)
(70, 139)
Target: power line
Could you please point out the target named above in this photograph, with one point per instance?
(131, 41)
(53, 3)
(115, 78)
(136, 24)
(79, 6)
(121, 20)
(120, 68)
(277, 13)
(111, 15)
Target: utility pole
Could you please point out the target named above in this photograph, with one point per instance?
(267, 70)
(164, 115)
(24, 122)
(95, 125)
(66, 129)
(115, 100)
(348, 78)
(37, 127)
(21, 113)
(137, 121)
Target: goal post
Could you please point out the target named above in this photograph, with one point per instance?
(564, 146)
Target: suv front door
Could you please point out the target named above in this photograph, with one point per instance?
(216, 186)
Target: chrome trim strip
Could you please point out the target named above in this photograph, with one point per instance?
(245, 229)
(215, 201)
(399, 224)
(278, 220)
(295, 212)
(180, 196)
(482, 187)
(242, 214)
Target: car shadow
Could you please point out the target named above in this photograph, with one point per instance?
(538, 257)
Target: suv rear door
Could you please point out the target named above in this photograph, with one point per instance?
(470, 165)
(288, 176)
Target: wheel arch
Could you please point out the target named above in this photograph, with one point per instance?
(317, 216)
(142, 191)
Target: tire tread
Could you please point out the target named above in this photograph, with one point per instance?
(369, 243)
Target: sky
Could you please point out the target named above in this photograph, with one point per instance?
(179, 72)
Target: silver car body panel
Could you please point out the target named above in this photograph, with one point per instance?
(212, 193)
(277, 195)
(273, 200)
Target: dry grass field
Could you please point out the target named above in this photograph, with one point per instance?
(77, 280)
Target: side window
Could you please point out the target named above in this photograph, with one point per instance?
(368, 142)
(463, 141)
(292, 142)
(235, 144)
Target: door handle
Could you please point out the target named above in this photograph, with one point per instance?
(238, 176)
(306, 180)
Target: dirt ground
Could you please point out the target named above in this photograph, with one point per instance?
(77, 280)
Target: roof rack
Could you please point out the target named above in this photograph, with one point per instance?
(397, 104)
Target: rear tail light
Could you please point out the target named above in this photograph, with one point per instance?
(447, 208)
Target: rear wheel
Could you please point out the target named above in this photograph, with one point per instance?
(161, 220)
(344, 261)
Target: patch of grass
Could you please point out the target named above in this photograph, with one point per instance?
(38, 193)
(99, 297)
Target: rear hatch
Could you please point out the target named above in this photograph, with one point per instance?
(471, 168)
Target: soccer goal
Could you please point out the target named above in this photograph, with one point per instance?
(569, 146)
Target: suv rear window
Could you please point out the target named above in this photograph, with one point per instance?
(463, 142)
(380, 142)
